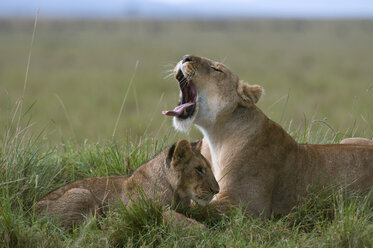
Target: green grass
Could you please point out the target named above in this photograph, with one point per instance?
(318, 80)
(81, 70)
(30, 169)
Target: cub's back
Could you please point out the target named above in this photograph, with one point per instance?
(104, 188)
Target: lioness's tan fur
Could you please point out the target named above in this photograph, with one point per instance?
(258, 165)
(357, 141)
(175, 176)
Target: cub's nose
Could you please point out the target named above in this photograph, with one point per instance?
(215, 191)
(187, 58)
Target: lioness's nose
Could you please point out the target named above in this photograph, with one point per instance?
(187, 58)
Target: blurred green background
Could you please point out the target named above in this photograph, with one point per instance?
(80, 71)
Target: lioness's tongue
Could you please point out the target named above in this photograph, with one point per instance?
(179, 110)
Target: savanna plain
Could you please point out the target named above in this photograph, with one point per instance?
(88, 103)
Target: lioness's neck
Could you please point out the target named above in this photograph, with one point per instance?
(241, 122)
(250, 126)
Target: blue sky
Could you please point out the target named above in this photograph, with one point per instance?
(189, 8)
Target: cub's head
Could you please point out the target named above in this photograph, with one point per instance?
(190, 173)
(208, 91)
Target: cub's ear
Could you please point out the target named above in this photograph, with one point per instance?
(182, 153)
(249, 94)
(197, 145)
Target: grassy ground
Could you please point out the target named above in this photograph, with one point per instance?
(29, 169)
(78, 76)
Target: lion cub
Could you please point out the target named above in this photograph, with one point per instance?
(175, 176)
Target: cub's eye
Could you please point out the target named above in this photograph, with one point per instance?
(200, 170)
(216, 69)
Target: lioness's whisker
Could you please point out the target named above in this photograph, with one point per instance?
(168, 75)
(183, 83)
(189, 77)
(184, 80)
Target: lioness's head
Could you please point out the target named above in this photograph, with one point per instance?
(208, 91)
(190, 173)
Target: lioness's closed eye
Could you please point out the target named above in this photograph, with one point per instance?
(176, 176)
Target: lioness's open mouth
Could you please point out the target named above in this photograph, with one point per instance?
(187, 103)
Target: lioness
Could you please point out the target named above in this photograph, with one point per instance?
(175, 176)
(257, 164)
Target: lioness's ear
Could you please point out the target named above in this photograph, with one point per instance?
(249, 94)
(183, 152)
(197, 145)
